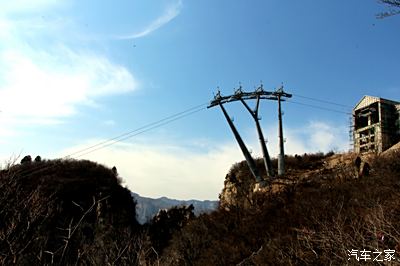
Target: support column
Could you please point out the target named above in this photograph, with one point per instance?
(245, 151)
(267, 159)
(281, 158)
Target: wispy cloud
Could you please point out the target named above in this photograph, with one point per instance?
(43, 81)
(169, 14)
(51, 85)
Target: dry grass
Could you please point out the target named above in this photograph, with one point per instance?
(66, 213)
(76, 212)
(307, 223)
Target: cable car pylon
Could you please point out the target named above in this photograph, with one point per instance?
(254, 114)
(258, 94)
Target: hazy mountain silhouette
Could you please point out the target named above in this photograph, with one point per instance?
(147, 208)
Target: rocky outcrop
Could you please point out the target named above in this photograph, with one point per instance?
(240, 188)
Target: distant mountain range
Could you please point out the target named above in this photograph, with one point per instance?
(146, 208)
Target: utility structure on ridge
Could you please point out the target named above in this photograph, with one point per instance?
(258, 94)
(281, 159)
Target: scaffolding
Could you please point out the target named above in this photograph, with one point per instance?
(351, 133)
(375, 128)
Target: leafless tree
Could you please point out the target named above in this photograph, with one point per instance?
(394, 8)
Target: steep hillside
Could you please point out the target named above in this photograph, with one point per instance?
(65, 212)
(323, 213)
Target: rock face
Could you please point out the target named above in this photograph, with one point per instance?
(238, 187)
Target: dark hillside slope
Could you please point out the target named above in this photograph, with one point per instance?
(315, 219)
(65, 212)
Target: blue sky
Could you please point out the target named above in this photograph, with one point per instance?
(76, 73)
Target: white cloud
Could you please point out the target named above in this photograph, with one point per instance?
(21, 6)
(315, 136)
(42, 81)
(169, 14)
(5, 129)
(166, 170)
(184, 171)
(51, 85)
(324, 137)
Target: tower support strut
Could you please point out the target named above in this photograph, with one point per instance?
(245, 151)
(254, 114)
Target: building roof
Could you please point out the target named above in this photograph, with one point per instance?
(368, 100)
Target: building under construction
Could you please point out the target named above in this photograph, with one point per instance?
(376, 124)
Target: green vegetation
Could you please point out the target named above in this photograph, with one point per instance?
(67, 212)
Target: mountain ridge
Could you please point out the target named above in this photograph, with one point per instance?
(147, 208)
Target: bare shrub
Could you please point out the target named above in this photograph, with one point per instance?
(307, 223)
(70, 212)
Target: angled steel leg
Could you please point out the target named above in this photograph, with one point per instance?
(254, 114)
(281, 158)
(246, 153)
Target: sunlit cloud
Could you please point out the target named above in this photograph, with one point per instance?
(167, 170)
(22, 6)
(169, 14)
(314, 136)
(170, 168)
(5, 129)
(44, 85)
(325, 137)
(41, 81)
